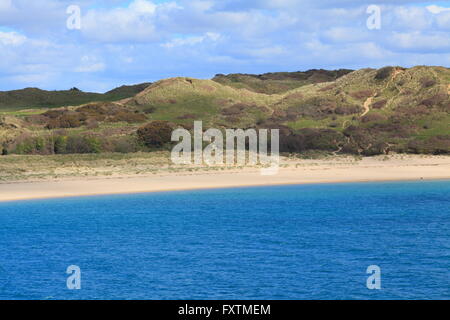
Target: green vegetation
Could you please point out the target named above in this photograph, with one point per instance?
(156, 133)
(36, 167)
(36, 98)
(278, 82)
(365, 112)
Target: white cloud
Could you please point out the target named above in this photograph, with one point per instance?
(130, 41)
(135, 23)
(267, 52)
(416, 18)
(143, 6)
(5, 5)
(191, 41)
(11, 38)
(345, 34)
(437, 9)
(31, 79)
(417, 41)
(90, 64)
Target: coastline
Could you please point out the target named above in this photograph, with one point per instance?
(411, 168)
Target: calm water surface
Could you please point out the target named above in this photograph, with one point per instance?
(287, 242)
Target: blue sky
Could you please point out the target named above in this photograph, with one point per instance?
(133, 41)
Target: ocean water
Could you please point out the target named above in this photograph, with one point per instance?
(284, 242)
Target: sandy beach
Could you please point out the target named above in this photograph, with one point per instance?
(395, 168)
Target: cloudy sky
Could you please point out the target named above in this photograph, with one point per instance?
(126, 42)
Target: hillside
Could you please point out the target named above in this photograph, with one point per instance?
(365, 112)
(183, 100)
(37, 98)
(279, 82)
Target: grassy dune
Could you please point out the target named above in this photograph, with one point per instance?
(28, 98)
(365, 112)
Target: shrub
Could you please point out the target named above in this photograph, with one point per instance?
(379, 104)
(25, 147)
(310, 139)
(40, 144)
(52, 114)
(379, 147)
(93, 109)
(187, 116)
(434, 145)
(149, 110)
(435, 100)
(83, 144)
(94, 144)
(125, 144)
(66, 121)
(384, 73)
(446, 107)
(365, 141)
(427, 82)
(236, 109)
(155, 133)
(363, 94)
(347, 110)
(59, 144)
(32, 145)
(233, 119)
(38, 119)
(412, 111)
(373, 117)
(91, 124)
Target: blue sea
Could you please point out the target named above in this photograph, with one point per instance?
(284, 242)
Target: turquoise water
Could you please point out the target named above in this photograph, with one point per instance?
(286, 242)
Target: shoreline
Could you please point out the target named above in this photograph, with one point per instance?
(310, 172)
(92, 194)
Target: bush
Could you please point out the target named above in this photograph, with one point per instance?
(94, 109)
(347, 110)
(427, 82)
(91, 124)
(125, 144)
(363, 94)
(412, 111)
(379, 104)
(235, 109)
(149, 110)
(38, 119)
(187, 116)
(368, 142)
(434, 145)
(435, 100)
(66, 121)
(373, 117)
(310, 139)
(25, 147)
(129, 117)
(83, 144)
(384, 73)
(60, 144)
(156, 133)
(32, 145)
(53, 114)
